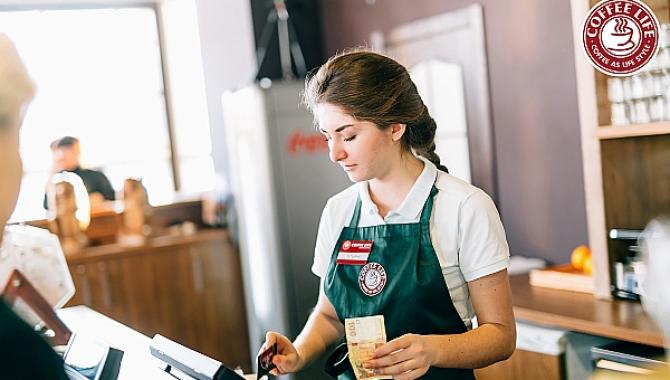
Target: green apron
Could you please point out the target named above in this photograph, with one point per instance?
(402, 281)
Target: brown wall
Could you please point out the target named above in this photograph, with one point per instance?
(534, 108)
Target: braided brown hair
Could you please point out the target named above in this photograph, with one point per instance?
(375, 88)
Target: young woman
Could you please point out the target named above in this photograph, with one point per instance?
(439, 253)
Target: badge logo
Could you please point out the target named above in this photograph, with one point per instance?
(372, 279)
(620, 36)
(346, 245)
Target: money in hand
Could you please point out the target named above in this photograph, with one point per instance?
(364, 336)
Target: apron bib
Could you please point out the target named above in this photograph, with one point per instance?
(402, 281)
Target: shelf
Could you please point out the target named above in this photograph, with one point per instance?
(636, 130)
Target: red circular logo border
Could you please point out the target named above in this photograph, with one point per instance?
(598, 38)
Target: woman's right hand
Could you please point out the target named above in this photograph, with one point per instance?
(287, 358)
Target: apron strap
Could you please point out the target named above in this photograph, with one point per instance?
(428, 207)
(353, 223)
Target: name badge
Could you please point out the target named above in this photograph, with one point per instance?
(354, 252)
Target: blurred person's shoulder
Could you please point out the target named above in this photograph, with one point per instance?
(23, 353)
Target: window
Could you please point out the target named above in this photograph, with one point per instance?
(99, 77)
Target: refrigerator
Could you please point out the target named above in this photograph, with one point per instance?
(281, 178)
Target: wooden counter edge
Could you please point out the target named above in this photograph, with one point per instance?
(539, 315)
(155, 243)
(587, 327)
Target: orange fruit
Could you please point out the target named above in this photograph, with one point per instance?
(579, 256)
(588, 266)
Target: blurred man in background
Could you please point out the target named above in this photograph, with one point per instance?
(66, 152)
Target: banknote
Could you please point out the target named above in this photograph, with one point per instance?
(364, 336)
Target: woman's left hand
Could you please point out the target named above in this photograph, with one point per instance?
(406, 357)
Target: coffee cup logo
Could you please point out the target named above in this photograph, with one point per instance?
(620, 36)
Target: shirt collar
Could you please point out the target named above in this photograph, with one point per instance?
(411, 206)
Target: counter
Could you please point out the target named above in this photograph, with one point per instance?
(581, 312)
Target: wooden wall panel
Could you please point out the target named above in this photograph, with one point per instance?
(186, 288)
(636, 185)
(636, 180)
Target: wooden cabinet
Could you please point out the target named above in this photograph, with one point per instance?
(626, 168)
(188, 289)
(525, 365)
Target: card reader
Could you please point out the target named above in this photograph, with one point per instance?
(190, 362)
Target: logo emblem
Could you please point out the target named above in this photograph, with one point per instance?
(346, 245)
(372, 279)
(620, 36)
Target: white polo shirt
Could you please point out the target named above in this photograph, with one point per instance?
(465, 229)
